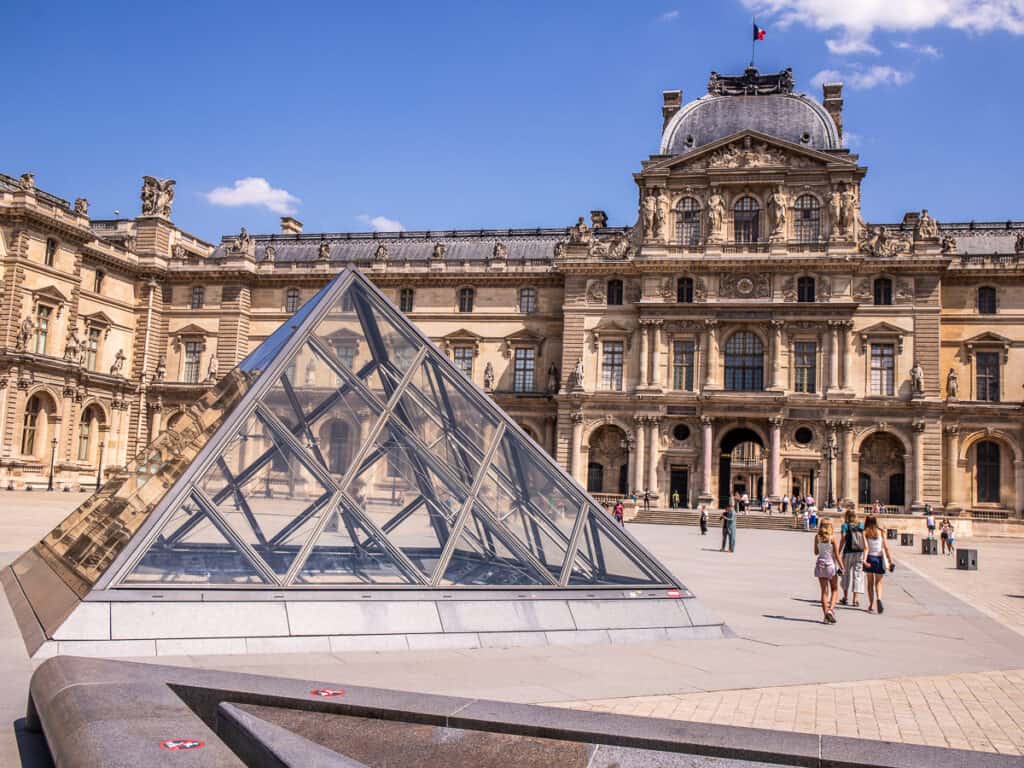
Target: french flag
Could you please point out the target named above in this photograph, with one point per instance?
(758, 33)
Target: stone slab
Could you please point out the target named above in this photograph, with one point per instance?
(628, 614)
(107, 648)
(651, 635)
(579, 637)
(308, 644)
(442, 640)
(89, 621)
(202, 646)
(182, 620)
(512, 639)
(356, 643)
(700, 615)
(351, 618)
(504, 615)
(843, 752)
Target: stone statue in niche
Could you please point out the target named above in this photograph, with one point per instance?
(212, 368)
(157, 196)
(72, 345)
(952, 385)
(25, 333)
(81, 206)
(310, 372)
(926, 228)
(576, 380)
(917, 379)
(161, 369)
(850, 213)
(117, 369)
(552, 379)
(715, 217)
(660, 215)
(489, 377)
(778, 210)
(648, 208)
(269, 253)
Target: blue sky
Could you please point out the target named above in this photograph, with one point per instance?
(483, 114)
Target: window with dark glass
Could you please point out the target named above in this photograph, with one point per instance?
(807, 219)
(51, 252)
(291, 300)
(463, 358)
(804, 366)
(97, 282)
(684, 290)
(746, 220)
(986, 366)
(30, 425)
(85, 433)
(883, 369)
(688, 221)
(986, 300)
(466, 296)
(614, 292)
(682, 365)
(523, 378)
(883, 292)
(595, 477)
(988, 466)
(527, 300)
(805, 289)
(405, 299)
(681, 432)
(744, 362)
(337, 449)
(611, 365)
(92, 349)
(197, 296)
(43, 314)
(193, 352)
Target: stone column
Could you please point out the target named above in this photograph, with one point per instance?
(712, 381)
(776, 382)
(656, 380)
(638, 463)
(833, 356)
(847, 378)
(575, 445)
(918, 447)
(849, 491)
(643, 353)
(1018, 485)
(775, 459)
(707, 495)
(653, 454)
(951, 467)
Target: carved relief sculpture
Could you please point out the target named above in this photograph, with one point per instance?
(438, 252)
(489, 377)
(952, 385)
(745, 286)
(596, 292)
(323, 252)
(157, 196)
(778, 211)
(879, 243)
(381, 254)
(25, 333)
(81, 206)
(118, 367)
(269, 253)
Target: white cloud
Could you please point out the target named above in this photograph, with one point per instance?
(852, 140)
(863, 78)
(669, 16)
(926, 50)
(381, 223)
(254, 190)
(857, 20)
(850, 45)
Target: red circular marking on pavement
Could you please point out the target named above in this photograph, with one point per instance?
(673, 593)
(327, 693)
(180, 745)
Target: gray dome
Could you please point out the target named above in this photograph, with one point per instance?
(790, 116)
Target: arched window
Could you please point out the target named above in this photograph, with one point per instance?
(807, 215)
(744, 362)
(688, 221)
(883, 291)
(805, 289)
(528, 300)
(614, 292)
(30, 425)
(684, 290)
(85, 432)
(466, 299)
(746, 220)
(986, 300)
(405, 299)
(595, 477)
(337, 454)
(988, 459)
(291, 300)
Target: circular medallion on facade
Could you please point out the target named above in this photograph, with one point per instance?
(744, 286)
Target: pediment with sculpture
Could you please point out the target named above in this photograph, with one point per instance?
(750, 150)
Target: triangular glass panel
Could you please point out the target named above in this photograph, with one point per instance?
(192, 548)
(602, 558)
(482, 557)
(264, 354)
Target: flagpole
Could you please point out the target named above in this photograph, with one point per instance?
(753, 23)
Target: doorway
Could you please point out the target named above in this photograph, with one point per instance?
(679, 482)
(747, 447)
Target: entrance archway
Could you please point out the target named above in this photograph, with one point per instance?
(741, 449)
(608, 465)
(881, 471)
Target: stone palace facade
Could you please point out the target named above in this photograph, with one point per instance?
(749, 333)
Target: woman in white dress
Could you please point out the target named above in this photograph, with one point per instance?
(827, 569)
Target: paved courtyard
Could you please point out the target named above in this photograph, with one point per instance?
(941, 666)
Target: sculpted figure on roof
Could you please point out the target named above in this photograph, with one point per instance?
(324, 251)
(580, 232)
(157, 196)
(381, 254)
(927, 228)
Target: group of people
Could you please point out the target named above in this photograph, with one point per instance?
(947, 534)
(859, 556)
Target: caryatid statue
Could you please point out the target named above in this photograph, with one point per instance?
(157, 196)
(715, 218)
(778, 209)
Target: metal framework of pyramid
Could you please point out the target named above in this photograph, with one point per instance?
(345, 453)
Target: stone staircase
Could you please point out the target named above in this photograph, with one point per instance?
(662, 516)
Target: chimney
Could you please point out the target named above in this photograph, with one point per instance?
(833, 103)
(598, 219)
(673, 100)
(290, 226)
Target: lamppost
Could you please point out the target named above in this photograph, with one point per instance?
(99, 468)
(829, 454)
(53, 459)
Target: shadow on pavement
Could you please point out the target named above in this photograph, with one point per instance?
(31, 747)
(791, 618)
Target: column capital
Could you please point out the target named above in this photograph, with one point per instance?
(577, 417)
(638, 419)
(710, 323)
(778, 325)
(846, 425)
(920, 425)
(707, 421)
(776, 421)
(952, 430)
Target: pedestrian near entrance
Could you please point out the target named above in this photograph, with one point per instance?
(851, 552)
(877, 562)
(647, 501)
(675, 499)
(703, 521)
(744, 502)
(619, 511)
(826, 569)
(929, 520)
(952, 537)
(729, 528)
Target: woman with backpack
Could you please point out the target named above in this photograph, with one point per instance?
(877, 561)
(851, 550)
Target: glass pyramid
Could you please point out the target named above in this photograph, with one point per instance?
(346, 451)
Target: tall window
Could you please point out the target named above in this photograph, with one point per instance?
(805, 371)
(527, 300)
(807, 215)
(684, 290)
(986, 300)
(193, 352)
(465, 299)
(43, 314)
(883, 369)
(744, 362)
(51, 252)
(92, 349)
(197, 297)
(883, 292)
(291, 300)
(611, 365)
(97, 281)
(595, 477)
(463, 357)
(525, 363)
(85, 433)
(805, 289)
(688, 221)
(988, 461)
(30, 425)
(405, 299)
(614, 292)
(338, 447)
(746, 220)
(682, 365)
(986, 367)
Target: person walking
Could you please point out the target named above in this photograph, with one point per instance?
(929, 520)
(851, 552)
(944, 527)
(675, 499)
(952, 537)
(785, 505)
(729, 528)
(647, 501)
(744, 502)
(703, 521)
(875, 560)
(620, 514)
(826, 569)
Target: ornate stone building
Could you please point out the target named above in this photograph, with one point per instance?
(750, 332)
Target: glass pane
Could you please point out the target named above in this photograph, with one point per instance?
(482, 558)
(259, 358)
(266, 494)
(346, 552)
(191, 549)
(601, 559)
